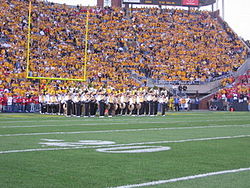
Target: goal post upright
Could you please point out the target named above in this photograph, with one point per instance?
(86, 46)
(55, 78)
(28, 40)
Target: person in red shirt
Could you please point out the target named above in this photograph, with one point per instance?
(4, 103)
(14, 103)
(19, 102)
(1, 103)
(36, 102)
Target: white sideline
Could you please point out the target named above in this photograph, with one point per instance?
(184, 178)
(132, 119)
(131, 144)
(114, 123)
(126, 130)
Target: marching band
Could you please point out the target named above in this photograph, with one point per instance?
(102, 103)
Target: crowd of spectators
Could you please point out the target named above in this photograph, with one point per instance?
(235, 91)
(163, 44)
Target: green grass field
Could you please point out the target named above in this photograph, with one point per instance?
(55, 151)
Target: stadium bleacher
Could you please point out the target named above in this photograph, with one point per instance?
(168, 45)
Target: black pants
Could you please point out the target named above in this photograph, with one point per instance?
(151, 107)
(155, 107)
(147, 105)
(78, 109)
(102, 108)
(69, 107)
(43, 108)
(92, 108)
(163, 108)
(86, 109)
(177, 107)
(142, 110)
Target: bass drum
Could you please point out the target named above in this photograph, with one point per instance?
(116, 106)
(138, 106)
(122, 105)
(108, 106)
(131, 107)
(64, 106)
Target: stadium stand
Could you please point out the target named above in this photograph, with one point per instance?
(125, 48)
(234, 96)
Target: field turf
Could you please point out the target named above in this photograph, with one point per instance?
(55, 151)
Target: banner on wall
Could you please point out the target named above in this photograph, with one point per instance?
(190, 2)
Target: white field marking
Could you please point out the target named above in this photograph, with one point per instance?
(134, 149)
(79, 143)
(131, 144)
(108, 123)
(51, 140)
(184, 178)
(126, 130)
(227, 118)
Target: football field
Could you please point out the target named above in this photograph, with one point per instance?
(180, 150)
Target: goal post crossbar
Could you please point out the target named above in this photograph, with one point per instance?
(50, 78)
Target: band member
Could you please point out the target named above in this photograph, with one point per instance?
(77, 103)
(137, 104)
(116, 105)
(163, 102)
(110, 100)
(123, 103)
(149, 104)
(68, 100)
(101, 100)
(43, 104)
(155, 104)
(92, 105)
(86, 105)
(60, 99)
(83, 100)
(142, 102)
(48, 103)
(131, 105)
(54, 104)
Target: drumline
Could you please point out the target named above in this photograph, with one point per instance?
(89, 104)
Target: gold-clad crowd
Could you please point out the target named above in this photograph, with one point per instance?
(163, 44)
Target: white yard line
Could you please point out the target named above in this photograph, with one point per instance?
(130, 144)
(125, 130)
(184, 178)
(114, 123)
(132, 119)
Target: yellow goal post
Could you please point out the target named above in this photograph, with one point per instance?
(51, 78)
